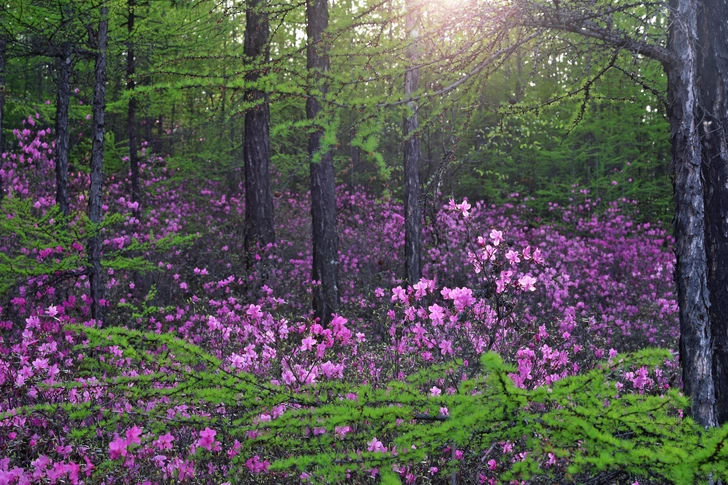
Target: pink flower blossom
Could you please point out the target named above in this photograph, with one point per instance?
(207, 438)
(496, 236)
(254, 312)
(464, 208)
(446, 347)
(308, 343)
(512, 257)
(117, 448)
(527, 283)
(133, 435)
(399, 294)
(420, 289)
(376, 446)
(40, 364)
(164, 442)
(255, 464)
(437, 314)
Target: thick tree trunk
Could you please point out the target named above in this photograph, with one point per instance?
(323, 188)
(62, 136)
(412, 155)
(131, 120)
(698, 112)
(97, 161)
(712, 85)
(2, 104)
(259, 228)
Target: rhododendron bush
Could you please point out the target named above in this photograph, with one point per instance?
(505, 362)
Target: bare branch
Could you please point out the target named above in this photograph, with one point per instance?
(566, 20)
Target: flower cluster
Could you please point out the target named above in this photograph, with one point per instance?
(553, 298)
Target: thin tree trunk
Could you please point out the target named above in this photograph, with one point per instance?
(131, 120)
(713, 127)
(259, 228)
(148, 130)
(39, 81)
(412, 155)
(172, 124)
(159, 143)
(323, 188)
(2, 103)
(97, 161)
(62, 136)
(223, 89)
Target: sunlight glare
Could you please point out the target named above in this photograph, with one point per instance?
(448, 5)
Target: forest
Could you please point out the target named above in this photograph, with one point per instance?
(363, 242)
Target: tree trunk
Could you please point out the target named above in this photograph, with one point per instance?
(39, 81)
(2, 104)
(259, 228)
(323, 188)
(97, 161)
(412, 155)
(159, 142)
(62, 136)
(131, 121)
(148, 130)
(698, 113)
(712, 85)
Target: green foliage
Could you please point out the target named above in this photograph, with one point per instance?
(368, 139)
(582, 422)
(147, 308)
(46, 244)
(612, 144)
(30, 235)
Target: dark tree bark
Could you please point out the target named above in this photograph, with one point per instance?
(2, 103)
(698, 114)
(259, 228)
(63, 96)
(148, 129)
(412, 155)
(323, 188)
(98, 40)
(691, 273)
(159, 142)
(712, 121)
(39, 81)
(131, 120)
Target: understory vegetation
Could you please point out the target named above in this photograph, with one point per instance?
(526, 354)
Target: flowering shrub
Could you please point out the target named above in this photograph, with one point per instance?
(204, 372)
